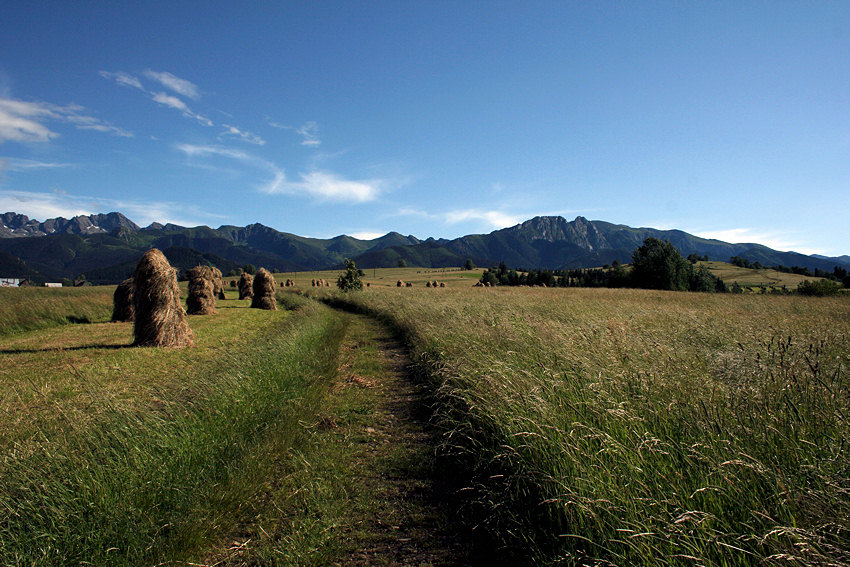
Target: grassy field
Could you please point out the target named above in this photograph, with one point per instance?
(635, 427)
(752, 278)
(388, 277)
(129, 456)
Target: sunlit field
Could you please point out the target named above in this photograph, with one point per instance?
(640, 427)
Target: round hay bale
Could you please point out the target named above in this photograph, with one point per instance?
(264, 289)
(160, 319)
(246, 286)
(122, 301)
(201, 299)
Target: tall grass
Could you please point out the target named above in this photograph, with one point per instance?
(30, 308)
(161, 469)
(635, 427)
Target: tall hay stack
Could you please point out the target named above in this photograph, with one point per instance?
(122, 301)
(201, 299)
(218, 285)
(264, 289)
(160, 319)
(246, 286)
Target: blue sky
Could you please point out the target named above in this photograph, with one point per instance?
(431, 118)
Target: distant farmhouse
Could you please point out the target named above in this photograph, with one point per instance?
(10, 282)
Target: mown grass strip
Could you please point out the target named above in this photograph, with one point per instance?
(158, 472)
(30, 308)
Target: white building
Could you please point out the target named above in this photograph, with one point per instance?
(10, 282)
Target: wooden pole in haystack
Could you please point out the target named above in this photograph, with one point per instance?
(160, 319)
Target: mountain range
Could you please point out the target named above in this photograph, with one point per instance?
(106, 247)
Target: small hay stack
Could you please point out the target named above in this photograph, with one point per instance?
(218, 285)
(122, 301)
(160, 319)
(442, 284)
(264, 289)
(246, 286)
(232, 283)
(201, 299)
(408, 284)
(428, 284)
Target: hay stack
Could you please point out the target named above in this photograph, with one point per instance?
(399, 283)
(442, 284)
(428, 284)
(232, 283)
(122, 301)
(264, 291)
(313, 282)
(408, 284)
(246, 286)
(160, 319)
(218, 285)
(201, 299)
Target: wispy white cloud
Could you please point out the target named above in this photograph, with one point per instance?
(45, 205)
(23, 121)
(496, 219)
(367, 235)
(243, 135)
(124, 79)
(777, 240)
(309, 132)
(322, 185)
(174, 83)
(177, 104)
(19, 164)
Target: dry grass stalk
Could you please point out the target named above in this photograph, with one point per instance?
(122, 301)
(264, 288)
(201, 299)
(160, 319)
(246, 286)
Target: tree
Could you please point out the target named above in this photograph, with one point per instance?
(249, 269)
(657, 264)
(350, 279)
(402, 263)
(469, 265)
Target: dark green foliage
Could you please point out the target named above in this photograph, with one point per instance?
(657, 264)
(818, 288)
(350, 279)
(469, 264)
(249, 269)
(402, 263)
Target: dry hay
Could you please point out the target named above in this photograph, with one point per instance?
(201, 299)
(399, 283)
(264, 291)
(313, 282)
(408, 284)
(478, 284)
(246, 286)
(327, 283)
(428, 284)
(160, 319)
(442, 284)
(122, 301)
(434, 284)
(218, 286)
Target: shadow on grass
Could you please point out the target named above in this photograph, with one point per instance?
(57, 349)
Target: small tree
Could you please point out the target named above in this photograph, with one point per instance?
(350, 279)
(402, 263)
(469, 265)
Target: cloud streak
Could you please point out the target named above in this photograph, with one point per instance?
(24, 121)
(775, 240)
(320, 185)
(174, 83)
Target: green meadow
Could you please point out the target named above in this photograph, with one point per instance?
(577, 427)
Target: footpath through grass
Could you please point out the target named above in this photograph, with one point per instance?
(634, 427)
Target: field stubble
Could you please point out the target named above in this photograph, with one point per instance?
(639, 427)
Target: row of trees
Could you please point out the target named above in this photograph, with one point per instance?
(657, 264)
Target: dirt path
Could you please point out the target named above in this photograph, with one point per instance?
(409, 522)
(362, 486)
